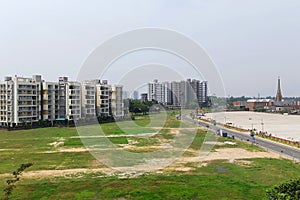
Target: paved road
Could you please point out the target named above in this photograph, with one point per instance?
(291, 152)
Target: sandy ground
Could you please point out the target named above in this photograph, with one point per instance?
(284, 126)
(232, 155)
(57, 173)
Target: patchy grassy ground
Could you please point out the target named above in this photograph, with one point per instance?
(64, 169)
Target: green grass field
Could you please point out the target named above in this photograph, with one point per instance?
(219, 179)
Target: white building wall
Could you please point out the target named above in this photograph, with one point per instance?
(88, 99)
(103, 99)
(26, 100)
(50, 101)
(117, 105)
(6, 103)
(73, 100)
(159, 92)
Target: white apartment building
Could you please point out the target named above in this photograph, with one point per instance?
(62, 96)
(178, 93)
(156, 91)
(117, 105)
(73, 100)
(103, 98)
(20, 101)
(6, 102)
(175, 87)
(88, 99)
(160, 92)
(28, 100)
(50, 101)
(69, 99)
(167, 96)
(202, 92)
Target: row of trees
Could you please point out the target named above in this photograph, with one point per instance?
(140, 107)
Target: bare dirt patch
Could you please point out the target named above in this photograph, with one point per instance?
(232, 155)
(57, 173)
(243, 162)
(238, 153)
(72, 150)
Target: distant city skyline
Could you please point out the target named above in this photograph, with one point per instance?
(144, 88)
(251, 42)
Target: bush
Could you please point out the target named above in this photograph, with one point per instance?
(286, 191)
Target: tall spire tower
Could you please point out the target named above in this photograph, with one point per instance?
(278, 94)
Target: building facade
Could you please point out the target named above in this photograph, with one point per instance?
(160, 92)
(117, 105)
(50, 100)
(179, 93)
(73, 100)
(103, 99)
(253, 104)
(20, 101)
(29, 100)
(62, 96)
(88, 90)
(156, 91)
(144, 97)
(6, 102)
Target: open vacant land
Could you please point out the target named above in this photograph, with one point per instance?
(283, 126)
(64, 169)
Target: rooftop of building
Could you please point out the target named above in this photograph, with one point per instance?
(260, 100)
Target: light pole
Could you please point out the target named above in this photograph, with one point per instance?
(262, 125)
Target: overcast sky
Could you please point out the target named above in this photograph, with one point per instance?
(252, 42)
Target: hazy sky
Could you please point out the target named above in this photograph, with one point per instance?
(251, 41)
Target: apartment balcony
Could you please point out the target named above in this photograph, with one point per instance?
(26, 94)
(26, 88)
(26, 103)
(74, 96)
(75, 91)
(74, 102)
(25, 109)
(104, 106)
(45, 112)
(25, 116)
(25, 99)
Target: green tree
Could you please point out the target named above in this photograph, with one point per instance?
(286, 191)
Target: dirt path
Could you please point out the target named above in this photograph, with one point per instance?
(57, 173)
(117, 135)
